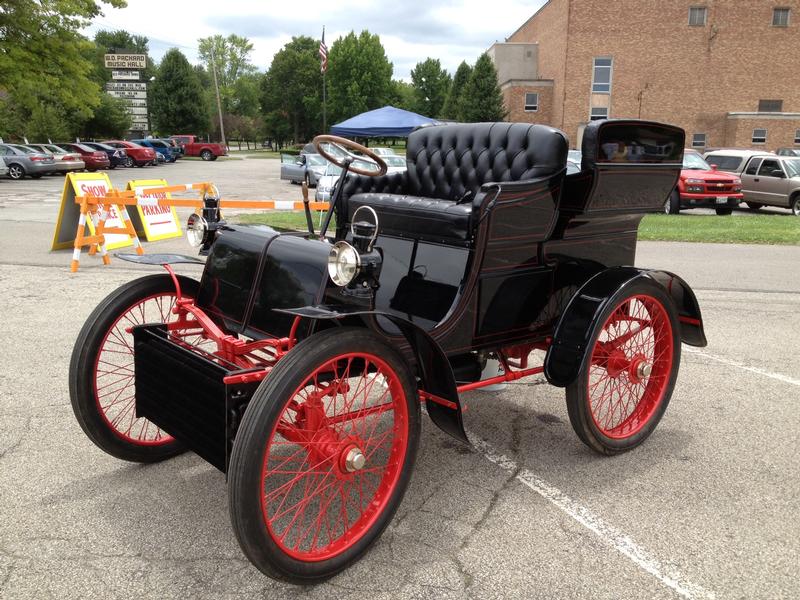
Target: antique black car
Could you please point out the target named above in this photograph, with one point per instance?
(298, 363)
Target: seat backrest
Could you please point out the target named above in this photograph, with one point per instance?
(448, 161)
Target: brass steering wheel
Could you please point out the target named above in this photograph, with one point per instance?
(347, 148)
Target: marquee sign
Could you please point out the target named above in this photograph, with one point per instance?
(125, 61)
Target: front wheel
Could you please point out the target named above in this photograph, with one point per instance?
(16, 171)
(101, 372)
(324, 455)
(673, 204)
(128, 162)
(626, 382)
(206, 155)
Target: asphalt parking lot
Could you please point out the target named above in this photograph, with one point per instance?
(706, 508)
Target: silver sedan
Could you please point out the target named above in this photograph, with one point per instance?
(22, 161)
(305, 167)
(65, 162)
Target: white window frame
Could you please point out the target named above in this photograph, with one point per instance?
(759, 139)
(531, 107)
(781, 10)
(610, 68)
(695, 143)
(797, 137)
(705, 16)
(593, 117)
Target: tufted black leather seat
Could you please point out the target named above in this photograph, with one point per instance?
(439, 196)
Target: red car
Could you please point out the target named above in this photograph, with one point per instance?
(702, 186)
(137, 155)
(194, 146)
(93, 159)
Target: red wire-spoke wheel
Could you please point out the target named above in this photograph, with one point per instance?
(628, 375)
(101, 372)
(324, 454)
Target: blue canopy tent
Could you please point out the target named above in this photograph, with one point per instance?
(381, 122)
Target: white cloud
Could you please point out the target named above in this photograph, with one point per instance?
(451, 30)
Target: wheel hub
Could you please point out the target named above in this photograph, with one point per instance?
(640, 369)
(354, 459)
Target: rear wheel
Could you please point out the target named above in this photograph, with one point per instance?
(129, 162)
(16, 171)
(626, 383)
(101, 376)
(207, 155)
(323, 456)
(794, 205)
(754, 205)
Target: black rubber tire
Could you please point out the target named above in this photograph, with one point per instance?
(207, 155)
(754, 205)
(578, 401)
(129, 162)
(794, 205)
(82, 364)
(267, 404)
(672, 206)
(724, 211)
(16, 171)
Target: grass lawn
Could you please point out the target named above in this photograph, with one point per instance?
(256, 153)
(742, 229)
(218, 158)
(735, 229)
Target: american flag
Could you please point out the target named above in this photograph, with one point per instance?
(323, 53)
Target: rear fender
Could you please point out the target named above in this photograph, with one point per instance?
(577, 325)
(436, 375)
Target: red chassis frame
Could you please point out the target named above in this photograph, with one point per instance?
(265, 354)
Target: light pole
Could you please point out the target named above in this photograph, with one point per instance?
(147, 108)
(216, 89)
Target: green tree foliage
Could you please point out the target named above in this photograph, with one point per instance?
(482, 99)
(246, 95)
(431, 84)
(46, 122)
(181, 105)
(452, 105)
(293, 88)
(110, 119)
(231, 58)
(43, 61)
(359, 76)
(402, 95)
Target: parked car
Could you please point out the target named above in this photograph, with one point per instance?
(65, 161)
(394, 163)
(297, 364)
(574, 159)
(772, 180)
(731, 160)
(177, 149)
(162, 149)
(328, 180)
(788, 152)
(302, 167)
(94, 159)
(383, 152)
(22, 160)
(3, 167)
(137, 155)
(117, 157)
(700, 185)
(194, 146)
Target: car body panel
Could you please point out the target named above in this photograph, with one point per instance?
(117, 156)
(65, 162)
(194, 146)
(140, 155)
(163, 150)
(94, 159)
(296, 168)
(31, 161)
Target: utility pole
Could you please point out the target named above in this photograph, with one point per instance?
(216, 89)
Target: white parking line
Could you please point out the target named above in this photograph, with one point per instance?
(744, 367)
(610, 535)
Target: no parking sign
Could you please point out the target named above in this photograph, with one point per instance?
(151, 220)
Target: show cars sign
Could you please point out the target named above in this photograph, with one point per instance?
(125, 61)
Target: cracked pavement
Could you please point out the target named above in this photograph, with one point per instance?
(712, 494)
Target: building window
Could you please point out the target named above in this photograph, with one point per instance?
(797, 137)
(697, 16)
(699, 140)
(601, 76)
(531, 102)
(780, 17)
(598, 113)
(759, 136)
(770, 105)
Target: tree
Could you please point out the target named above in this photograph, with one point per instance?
(181, 106)
(359, 75)
(452, 105)
(231, 58)
(43, 60)
(110, 119)
(402, 95)
(482, 99)
(293, 87)
(46, 122)
(431, 84)
(246, 95)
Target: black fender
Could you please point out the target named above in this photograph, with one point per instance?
(438, 384)
(578, 322)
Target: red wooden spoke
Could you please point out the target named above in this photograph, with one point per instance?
(637, 332)
(316, 509)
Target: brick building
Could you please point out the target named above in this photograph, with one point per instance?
(727, 71)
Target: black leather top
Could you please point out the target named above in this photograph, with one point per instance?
(448, 164)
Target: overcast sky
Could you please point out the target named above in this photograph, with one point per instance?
(411, 30)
